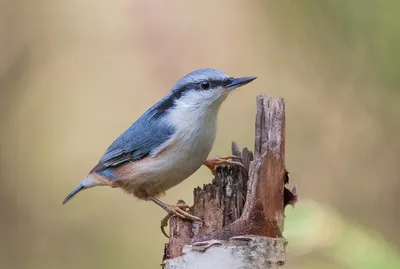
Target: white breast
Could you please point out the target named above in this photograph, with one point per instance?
(195, 130)
(196, 126)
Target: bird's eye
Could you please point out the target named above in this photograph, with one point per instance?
(205, 85)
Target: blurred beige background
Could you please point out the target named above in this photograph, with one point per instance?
(75, 74)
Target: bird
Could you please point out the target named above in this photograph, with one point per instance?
(168, 143)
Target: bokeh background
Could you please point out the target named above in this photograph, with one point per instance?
(75, 74)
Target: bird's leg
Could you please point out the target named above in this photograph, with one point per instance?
(214, 162)
(178, 210)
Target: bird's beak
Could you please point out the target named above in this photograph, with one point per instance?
(238, 82)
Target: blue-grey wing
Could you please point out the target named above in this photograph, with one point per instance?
(136, 143)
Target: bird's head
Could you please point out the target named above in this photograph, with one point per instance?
(206, 87)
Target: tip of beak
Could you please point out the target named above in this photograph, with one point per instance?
(73, 193)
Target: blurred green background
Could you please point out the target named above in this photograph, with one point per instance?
(75, 74)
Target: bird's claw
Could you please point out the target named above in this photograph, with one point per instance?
(228, 160)
(179, 210)
(164, 223)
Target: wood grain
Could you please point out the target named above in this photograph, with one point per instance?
(239, 202)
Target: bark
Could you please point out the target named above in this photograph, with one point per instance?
(242, 209)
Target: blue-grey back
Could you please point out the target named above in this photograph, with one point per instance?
(139, 140)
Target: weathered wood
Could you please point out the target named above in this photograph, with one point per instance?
(218, 204)
(239, 252)
(240, 203)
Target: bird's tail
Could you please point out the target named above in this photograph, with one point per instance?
(88, 182)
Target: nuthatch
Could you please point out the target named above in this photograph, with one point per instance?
(169, 142)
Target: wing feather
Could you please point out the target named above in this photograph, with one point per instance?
(140, 140)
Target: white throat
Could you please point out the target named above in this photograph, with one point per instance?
(196, 110)
(195, 120)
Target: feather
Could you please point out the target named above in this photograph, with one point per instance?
(140, 140)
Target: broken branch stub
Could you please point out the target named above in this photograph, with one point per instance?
(237, 202)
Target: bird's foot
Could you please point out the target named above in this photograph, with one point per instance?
(179, 210)
(213, 163)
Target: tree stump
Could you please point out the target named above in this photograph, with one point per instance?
(242, 209)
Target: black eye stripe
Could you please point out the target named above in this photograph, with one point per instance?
(214, 83)
(197, 86)
(168, 102)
